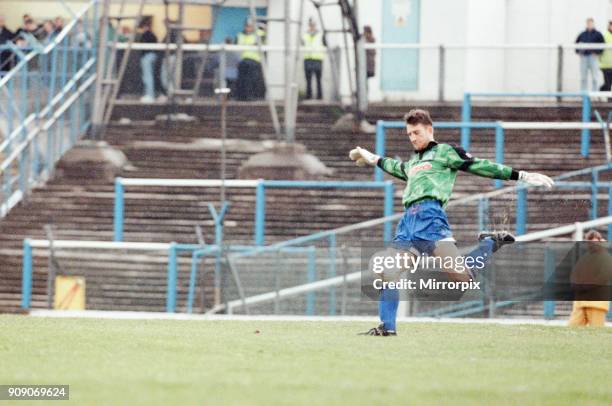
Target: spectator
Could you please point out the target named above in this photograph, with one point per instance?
(313, 60)
(590, 281)
(147, 61)
(124, 33)
(29, 28)
(232, 59)
(6, 36)
(59, 24)
(605, 61)
(370, 53)
(588, 57)
(250, 85)
(49, 32)
(81, 38)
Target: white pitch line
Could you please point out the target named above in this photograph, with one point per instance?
(127, 315)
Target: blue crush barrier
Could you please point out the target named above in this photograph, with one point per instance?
(466, 111)
(260, 187)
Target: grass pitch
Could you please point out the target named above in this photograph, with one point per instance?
(111, 362)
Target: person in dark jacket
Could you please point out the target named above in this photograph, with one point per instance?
(589, 57)
(147, 61)
(6, 35)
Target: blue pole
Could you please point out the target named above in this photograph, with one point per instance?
(9, 109)
(466, 117)
(388, 210)
(549, 269)
(53, 78)
(586, 118)
(594, 176)
(171, 283)
(24, 98)
(192, 280)
(332, 273)
(380, 148)
(499, 148)
(26, 278)
(118, 215)
(311, 298)
(521, 211)
(609, 213)
(260, 213)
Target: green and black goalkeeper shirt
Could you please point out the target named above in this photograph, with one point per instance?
(431, 172)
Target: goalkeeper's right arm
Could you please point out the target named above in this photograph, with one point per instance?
(393, 167)
(363, 157)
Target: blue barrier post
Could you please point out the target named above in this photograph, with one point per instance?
(9, 110)
(192, 281)
(118, 210)
(388, 211)
(53, 74)
(483, 213)
(311, 297)
(380, 148)
(466, 117)
(586, 118)
(499, 148)
(521, 211)
(260, 213)
(26, 276)
(172, 279)
(549, 270)
(594, 181)
(610, 213)
(332, 274)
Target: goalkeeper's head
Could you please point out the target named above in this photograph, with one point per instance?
(419, 128)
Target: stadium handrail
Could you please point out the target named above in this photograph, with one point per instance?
(260, 187)
(466, 112)
(440, 48)
(64, 112)
(576, 229)
(388, 219)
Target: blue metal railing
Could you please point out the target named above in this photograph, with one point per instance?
(260, 201)
(43, 103)
(466, 112)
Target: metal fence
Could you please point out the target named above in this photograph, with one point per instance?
(443, 72)
(45, 106)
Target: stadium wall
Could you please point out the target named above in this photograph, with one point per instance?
(472, 22)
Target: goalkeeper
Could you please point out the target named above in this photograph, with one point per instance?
(430, 176)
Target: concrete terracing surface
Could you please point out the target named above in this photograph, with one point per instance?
(82, 209)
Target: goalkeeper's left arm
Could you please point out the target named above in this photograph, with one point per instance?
(459, 159)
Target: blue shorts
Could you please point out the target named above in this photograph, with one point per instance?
(423, 224)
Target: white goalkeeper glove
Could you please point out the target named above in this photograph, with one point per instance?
(536, 179)
(363, 157)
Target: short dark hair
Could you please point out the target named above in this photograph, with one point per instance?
(418, 116)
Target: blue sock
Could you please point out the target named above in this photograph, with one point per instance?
(484, 250)
(387, 307)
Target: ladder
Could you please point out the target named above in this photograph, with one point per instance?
(349, 29)
(290, 76)
(108, 78)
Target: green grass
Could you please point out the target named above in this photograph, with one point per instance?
(110, 362)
